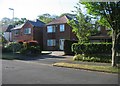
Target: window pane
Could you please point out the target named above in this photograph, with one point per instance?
(51, 42)
(50, 29)
(62, 27)
(27, 31)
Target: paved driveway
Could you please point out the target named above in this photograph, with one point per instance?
(26, 72)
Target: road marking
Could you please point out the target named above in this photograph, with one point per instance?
(34, 62)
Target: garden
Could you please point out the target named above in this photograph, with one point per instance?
(17, 50)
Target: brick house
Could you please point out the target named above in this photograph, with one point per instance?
(29, 31)
(102, 36)
(56, 32)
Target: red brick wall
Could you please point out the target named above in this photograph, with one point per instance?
(38, 35)
(15, 37)
(26, 37)
(67, 34)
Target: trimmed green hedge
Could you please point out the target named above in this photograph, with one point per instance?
(67, 47)
(92, 48)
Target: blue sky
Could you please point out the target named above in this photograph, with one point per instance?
(30, 9)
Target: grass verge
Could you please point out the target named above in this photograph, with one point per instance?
(107, 69)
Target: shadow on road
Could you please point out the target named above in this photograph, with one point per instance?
(11, 56)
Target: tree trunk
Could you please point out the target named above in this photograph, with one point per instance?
(114, 41)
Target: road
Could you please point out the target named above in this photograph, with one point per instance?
(26, 72)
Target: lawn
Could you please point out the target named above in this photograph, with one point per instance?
(107, 69)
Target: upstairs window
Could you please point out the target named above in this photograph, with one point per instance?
(27, 31)
(50, 29)
(16, 32)
(62, 27)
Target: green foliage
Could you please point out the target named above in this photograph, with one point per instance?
(109, 16)
(92, 58)
(92, 48)
(12, 47)
(68, 14)
(30, 48)
(46, 18)
(3, 40)
(67, 46)
(81, 26)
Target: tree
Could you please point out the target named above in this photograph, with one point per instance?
(108, 12)
(46, 18)
(18, 21)
(81, 25)
(5, 21)
(68, 14)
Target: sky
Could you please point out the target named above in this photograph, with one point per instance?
(30, 9)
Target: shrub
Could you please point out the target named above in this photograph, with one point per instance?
(78, 57)
(13, 47)
(92, 48)
(31, 48)
(67, 47)
(92, 58)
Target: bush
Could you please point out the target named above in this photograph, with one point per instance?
(92, 58)
(12, 47)
(92, 48)
(67, 47)
(30, 48)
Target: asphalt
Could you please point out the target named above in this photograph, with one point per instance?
(58, 56)
(29, 72)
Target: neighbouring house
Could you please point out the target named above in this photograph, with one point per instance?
(16, 33)
(102, 36)
(56, 32)
(29, 31)
(8, 33)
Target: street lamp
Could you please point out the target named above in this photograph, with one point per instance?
(13, 13)
(13, 24)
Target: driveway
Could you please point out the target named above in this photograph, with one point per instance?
(53, 57)
(27, 72)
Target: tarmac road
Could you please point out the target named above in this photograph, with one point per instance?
(27, 72)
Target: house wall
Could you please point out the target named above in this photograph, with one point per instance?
(8, 36)
(26, 37)
(67, 34)
(38, 35)
(15, 37)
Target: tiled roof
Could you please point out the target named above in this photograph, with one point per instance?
(63, 19)
(37, 23)
(18, 27)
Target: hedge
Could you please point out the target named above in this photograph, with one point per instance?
(92, 48)
(67, 47)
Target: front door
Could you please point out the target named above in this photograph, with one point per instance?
(61, 44)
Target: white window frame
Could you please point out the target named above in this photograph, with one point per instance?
(51, 42)
(27, 31)
(62, 27)
(52, 27)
